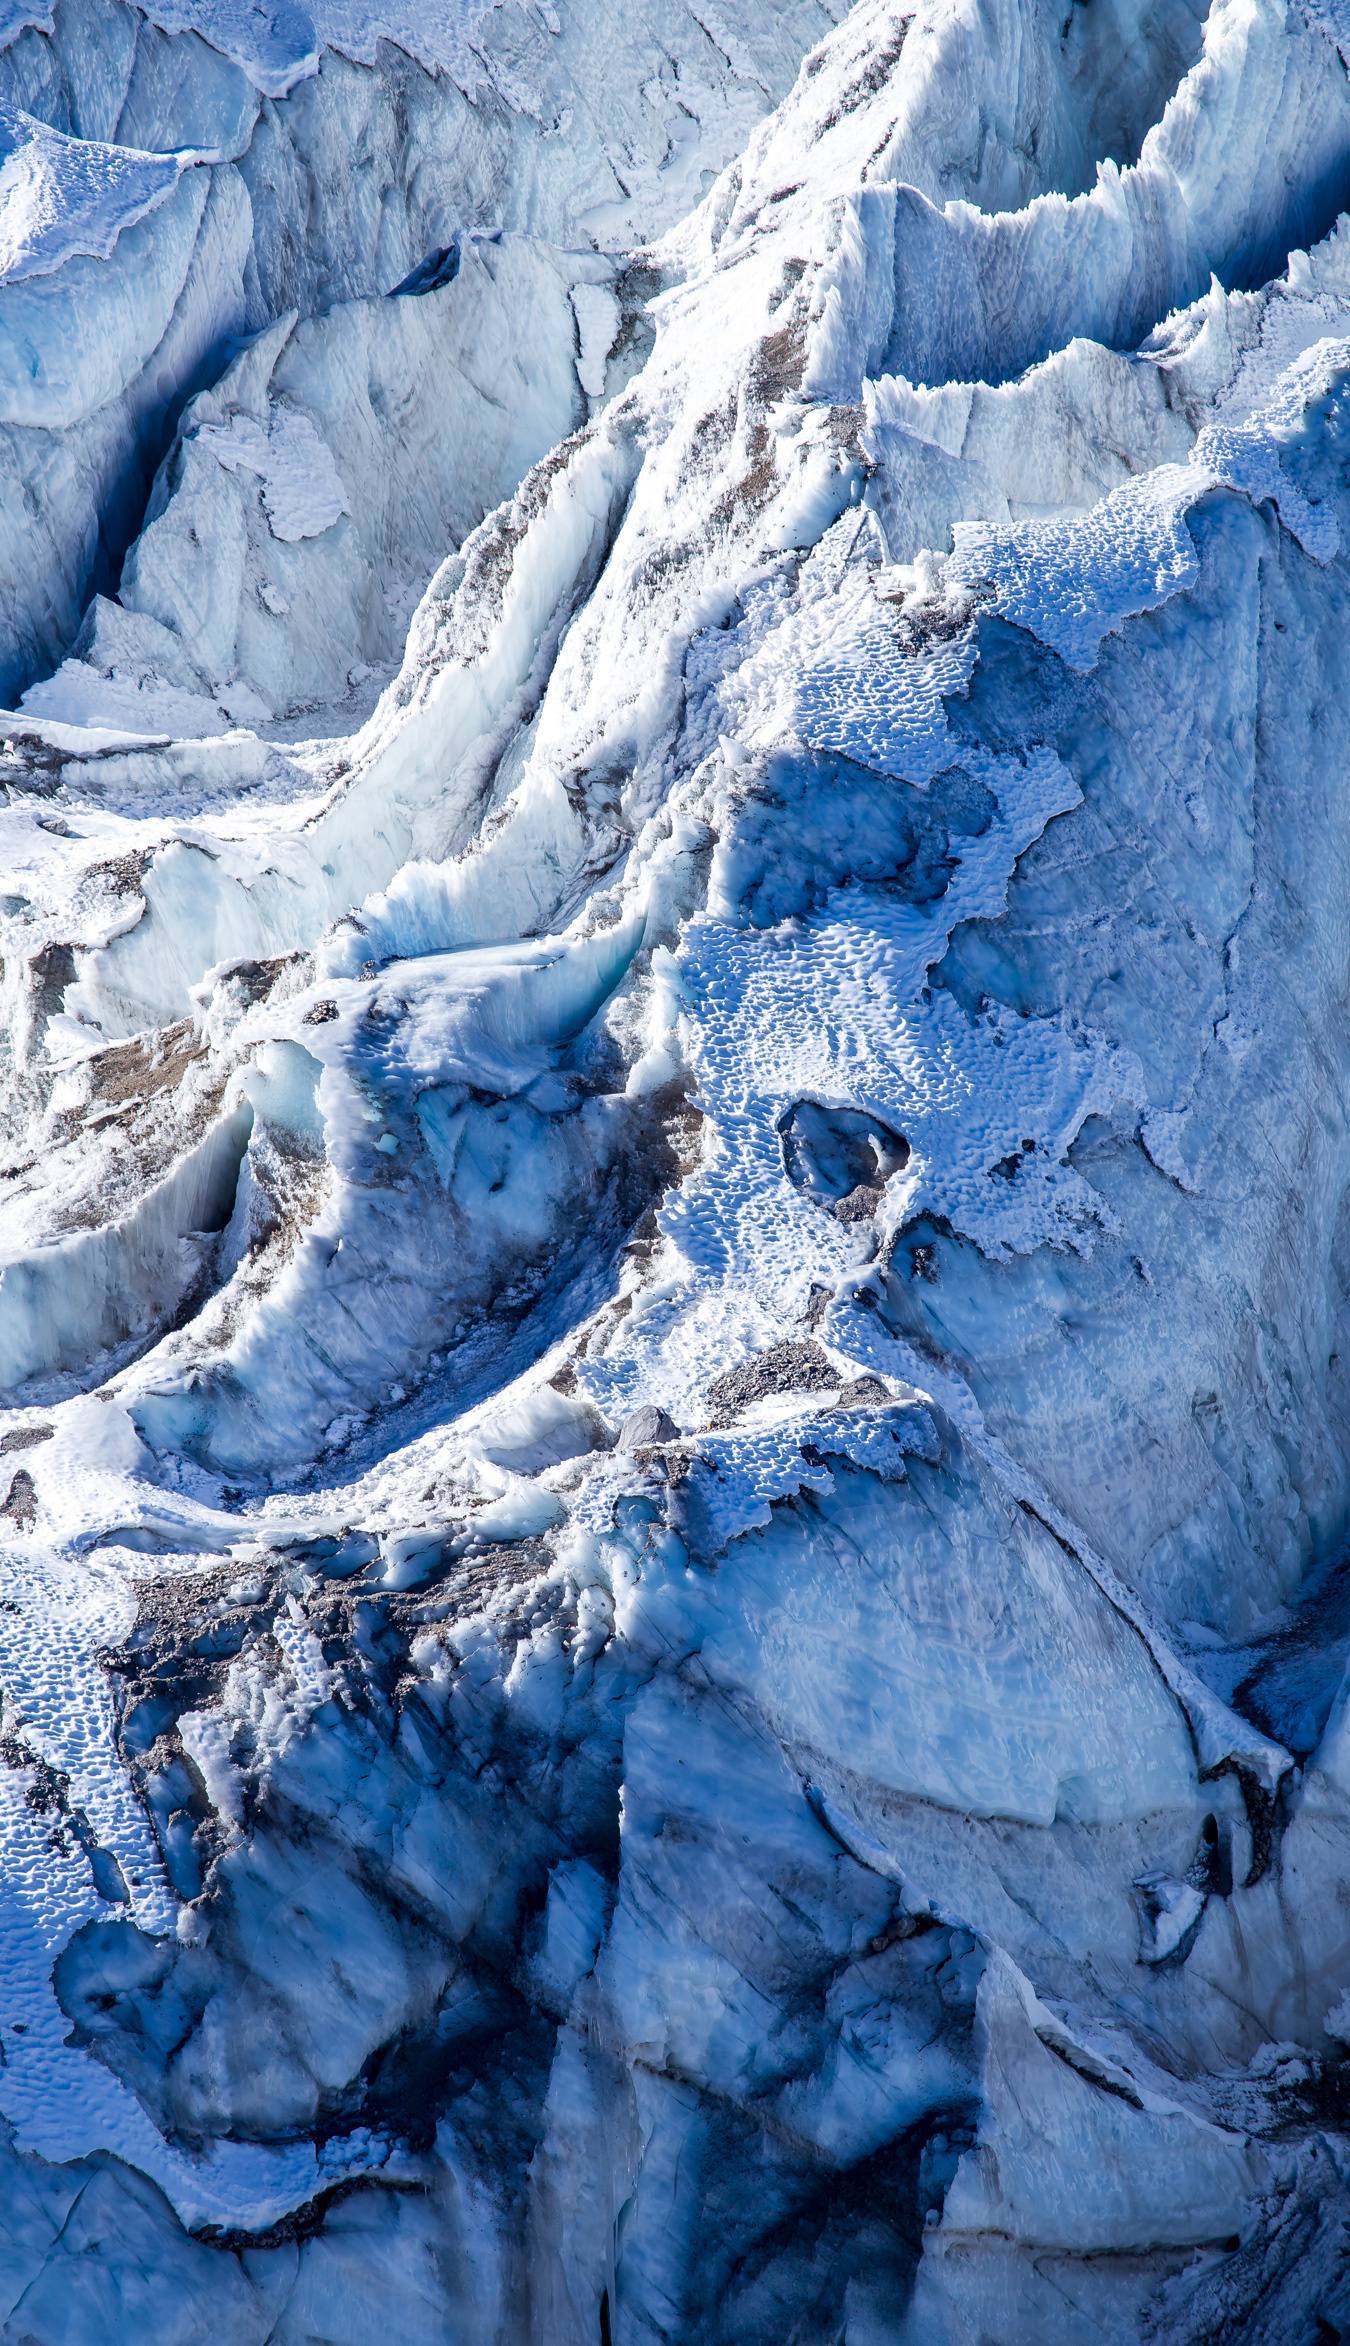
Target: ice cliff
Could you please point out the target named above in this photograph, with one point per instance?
(675, 1256)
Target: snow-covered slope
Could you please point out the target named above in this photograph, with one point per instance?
(677, 1176)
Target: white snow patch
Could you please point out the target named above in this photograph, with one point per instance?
(61, 196)
(301, 485)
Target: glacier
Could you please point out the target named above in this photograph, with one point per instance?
(675, 1254)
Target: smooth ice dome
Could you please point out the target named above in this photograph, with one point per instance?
(675, 1248)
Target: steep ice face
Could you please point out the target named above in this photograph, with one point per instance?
(673, 1274)
(329, 469)
(289, 161)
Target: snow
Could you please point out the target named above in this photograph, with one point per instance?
(1070, 585)
(672, 1229)
(378, 411)
(273, 40)
(278, 44)
(62, 196)
(301, 487)
(17, 17)
(598, 322)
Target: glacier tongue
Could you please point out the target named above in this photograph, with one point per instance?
(675, 1659)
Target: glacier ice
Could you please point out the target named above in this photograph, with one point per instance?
(675, 1646)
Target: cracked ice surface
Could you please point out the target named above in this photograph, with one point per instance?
(673, 1269)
